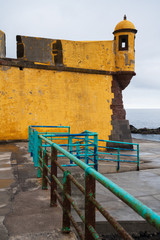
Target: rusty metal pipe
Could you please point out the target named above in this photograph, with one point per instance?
(78, 185)
(111, 220)
(48, 180)
(40, 168)
(60, 167)
(58, 182)
(44, 165)
(79, 231)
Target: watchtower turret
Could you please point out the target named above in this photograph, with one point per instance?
(124, 43)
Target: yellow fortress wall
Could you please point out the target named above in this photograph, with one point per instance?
(45, 97)
(91, 55)
(74, 83)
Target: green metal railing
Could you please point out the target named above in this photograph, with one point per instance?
(85, 146)
(82, 145)
(115, 152)
(49, 176)
(33, 137)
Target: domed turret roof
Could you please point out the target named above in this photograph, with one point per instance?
(125, 25)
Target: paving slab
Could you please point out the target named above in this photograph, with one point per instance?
(144, 185)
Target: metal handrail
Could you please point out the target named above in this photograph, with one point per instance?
(67, 200)
(118, 154)
(87, 137)
(33, 138)
(144, 211)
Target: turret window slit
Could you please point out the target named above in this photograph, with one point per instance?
(123, 42)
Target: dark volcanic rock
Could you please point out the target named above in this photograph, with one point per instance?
(133, 129)
(145, 130)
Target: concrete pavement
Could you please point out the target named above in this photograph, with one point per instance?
(25, 211)
(143, 184)
(24, 208)
(6, 179)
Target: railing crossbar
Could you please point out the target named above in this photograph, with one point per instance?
(115, 160)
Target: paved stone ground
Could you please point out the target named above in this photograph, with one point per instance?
(6, 179)
(143, 184)
(149, 158)
(25, 211)
(24, 208)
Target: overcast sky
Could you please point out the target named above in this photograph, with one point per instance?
(93, 20)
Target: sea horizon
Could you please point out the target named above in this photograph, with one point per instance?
(144, 118)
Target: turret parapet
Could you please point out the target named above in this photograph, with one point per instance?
(2, 44)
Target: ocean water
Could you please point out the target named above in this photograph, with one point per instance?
(140, 118)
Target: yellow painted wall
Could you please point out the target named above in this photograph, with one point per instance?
(100, 55)
(88, 54)
(43, 97)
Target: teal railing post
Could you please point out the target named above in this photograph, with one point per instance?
(29, 137)
(86, 148)
(70, 146)
(31, 141)
(78, 150)
(118, 162)
(53, 201)
(68, 139)
(66, 203)
(96, 152)
(45, 171)
(137, 157)
(40, 154)
(45, 144)
(35, 148)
